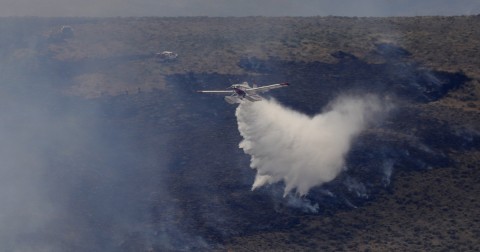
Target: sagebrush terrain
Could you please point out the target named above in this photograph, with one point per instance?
(165, 160)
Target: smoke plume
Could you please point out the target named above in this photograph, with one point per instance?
(300, 150)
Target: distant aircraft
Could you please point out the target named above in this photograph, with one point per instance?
(242, 91)
(165, 56)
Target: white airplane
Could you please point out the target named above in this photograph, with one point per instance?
(242, 91)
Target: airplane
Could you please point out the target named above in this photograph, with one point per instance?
(242, 91)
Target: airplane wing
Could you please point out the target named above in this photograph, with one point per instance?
(253, 97)
(267, 87)
(215, 91)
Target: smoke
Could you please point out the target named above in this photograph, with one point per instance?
(305, 205)
(112, 8)
(299, 150)
(387, 171)
(72, 177)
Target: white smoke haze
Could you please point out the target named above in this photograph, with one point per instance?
(172, 8)
(302, 203)
(387, 171)
(299, 150)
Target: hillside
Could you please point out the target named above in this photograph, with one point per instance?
(129, 158)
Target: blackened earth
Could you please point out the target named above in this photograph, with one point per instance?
(207, 178)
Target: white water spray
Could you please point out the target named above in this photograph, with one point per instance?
(299, 150)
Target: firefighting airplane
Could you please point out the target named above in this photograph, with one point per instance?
(243, 91)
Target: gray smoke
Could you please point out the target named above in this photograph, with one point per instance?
(302, 151)
(72, 178)
(112, 8)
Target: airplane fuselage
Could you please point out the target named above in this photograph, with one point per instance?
(240, 92)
